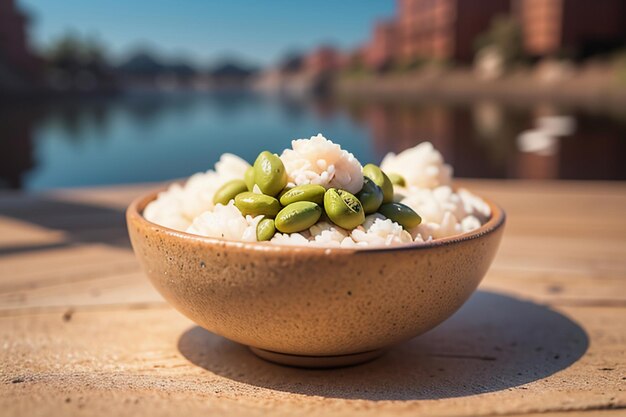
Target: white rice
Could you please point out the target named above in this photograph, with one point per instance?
(444, 212)
(177, 207)
(421, 166)
(380, 231)
(317, 160)
(320, 161)
(294, 239)
(225, 222)
(327, 234)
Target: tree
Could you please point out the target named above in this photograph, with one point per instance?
(72, 52)
(292, 62)
(505, 36)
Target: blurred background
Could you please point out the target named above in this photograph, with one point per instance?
(119, 92)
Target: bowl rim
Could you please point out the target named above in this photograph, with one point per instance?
(134, 213)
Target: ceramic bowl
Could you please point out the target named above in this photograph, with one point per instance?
(310, 306)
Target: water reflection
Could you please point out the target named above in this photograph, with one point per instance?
(539, 147)
(153, 137)
(477, 140)
(16, 146)
(491, 140)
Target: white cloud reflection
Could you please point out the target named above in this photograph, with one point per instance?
(544, 139)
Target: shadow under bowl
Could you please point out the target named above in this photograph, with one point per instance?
(312, 306)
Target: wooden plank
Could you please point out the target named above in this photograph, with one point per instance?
(107, 280)
(556, 288)
(566, 258)
(498, 355)
(121, 288)
(82, 332)
(32, 270)
(528, 265)
(45, 279)
(77, 222)
(17, 233)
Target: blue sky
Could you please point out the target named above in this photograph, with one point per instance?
(259, 31)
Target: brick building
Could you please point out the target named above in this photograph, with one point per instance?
(439, 29)
(323, 60)
(447, 29)
(577, 27)
(383, 46)
(15, 55)
(444, 29)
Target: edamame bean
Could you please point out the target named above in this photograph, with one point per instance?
(401, 214)
(396, 179)
(381, 179)
(228, 191)
(343, 209)
(282, 192)
(298, 216)
(265, 230)
(249, 178)
(370, 196)
(307, 192)
(269, 173)
(256, 204)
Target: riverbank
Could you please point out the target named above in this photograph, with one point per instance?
(592, 86)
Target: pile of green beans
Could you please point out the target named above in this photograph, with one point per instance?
(295, 209)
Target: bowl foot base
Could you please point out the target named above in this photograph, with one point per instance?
(302, 361)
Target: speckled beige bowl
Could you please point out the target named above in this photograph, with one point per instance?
(309, 306)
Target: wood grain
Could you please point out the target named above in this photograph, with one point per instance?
(83, 333)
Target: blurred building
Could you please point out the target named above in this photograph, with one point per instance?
(383, 46)
(444, 29)
(448, 29)
(17, 63)
(577, 27)
(432, 29)
(323, 60)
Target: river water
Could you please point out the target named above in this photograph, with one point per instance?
(156, 137)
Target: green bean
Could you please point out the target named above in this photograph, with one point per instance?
(381, 179)
(343, 209)
(269, 173)
(370, 196)
(283, 192)
(265, 230)
(401, 214)
(256, 204)
(228, 191)
(249, 178)
(307, 192)
(298, 216)
(396, 179)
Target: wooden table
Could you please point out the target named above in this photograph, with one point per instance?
(82, 332)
